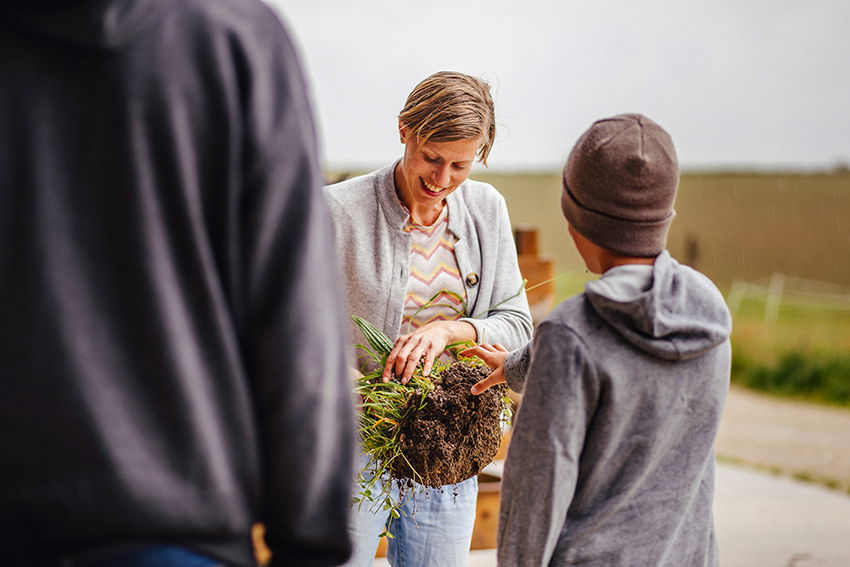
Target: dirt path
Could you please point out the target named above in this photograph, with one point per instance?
(798, 439)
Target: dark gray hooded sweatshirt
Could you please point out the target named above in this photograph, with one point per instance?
(173, 342)
(611, 460)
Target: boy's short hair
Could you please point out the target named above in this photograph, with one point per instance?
(450, 106)
(620, 184)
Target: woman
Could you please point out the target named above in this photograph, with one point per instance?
(416, 230)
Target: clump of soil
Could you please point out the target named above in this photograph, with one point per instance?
(456, 433)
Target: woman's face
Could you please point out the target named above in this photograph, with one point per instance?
(427, 175)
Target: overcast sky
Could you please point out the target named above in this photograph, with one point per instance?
(737, 83)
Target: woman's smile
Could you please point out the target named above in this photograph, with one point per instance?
(432, 190)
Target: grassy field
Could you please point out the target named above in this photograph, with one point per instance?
(804, 352)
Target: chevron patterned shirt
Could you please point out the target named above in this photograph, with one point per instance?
(435, 290)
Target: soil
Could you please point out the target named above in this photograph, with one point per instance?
(455, 434)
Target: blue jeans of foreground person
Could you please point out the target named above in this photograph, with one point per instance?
(435, 528)
(164, 556)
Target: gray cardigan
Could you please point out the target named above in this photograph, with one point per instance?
(611, 459)
(374, 253)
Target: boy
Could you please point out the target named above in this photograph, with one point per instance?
(611, 460)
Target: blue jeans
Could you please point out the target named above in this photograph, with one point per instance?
(435, 528)
(159, 556)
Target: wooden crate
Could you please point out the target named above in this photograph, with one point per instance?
(486, 515)
(539, 271)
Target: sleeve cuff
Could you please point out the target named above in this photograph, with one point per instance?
(516, 366)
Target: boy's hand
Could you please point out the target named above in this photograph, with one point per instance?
(493, 356)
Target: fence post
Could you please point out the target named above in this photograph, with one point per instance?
(774, 298)
(736, 295)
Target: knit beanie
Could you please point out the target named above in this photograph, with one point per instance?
(620, 183)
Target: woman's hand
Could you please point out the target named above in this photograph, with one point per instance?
(493, 356)
(424, 344)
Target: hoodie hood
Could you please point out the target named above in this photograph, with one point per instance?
(678, 316)
(98, 24)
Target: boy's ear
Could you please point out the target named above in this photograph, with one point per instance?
(402, 133)
(572, 232)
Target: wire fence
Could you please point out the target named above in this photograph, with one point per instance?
(780, 289)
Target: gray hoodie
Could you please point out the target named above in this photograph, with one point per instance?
(611, 460)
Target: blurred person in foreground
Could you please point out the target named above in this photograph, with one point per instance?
(611, 458)
(412, 231)
(173, 349)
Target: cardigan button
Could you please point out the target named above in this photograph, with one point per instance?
(472, 280)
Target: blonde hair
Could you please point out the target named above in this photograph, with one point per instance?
(450, 106)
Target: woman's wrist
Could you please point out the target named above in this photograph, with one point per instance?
(463, 331)
(456, 331)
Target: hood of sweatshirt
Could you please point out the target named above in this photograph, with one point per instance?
(92, 24)
(679, 313)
